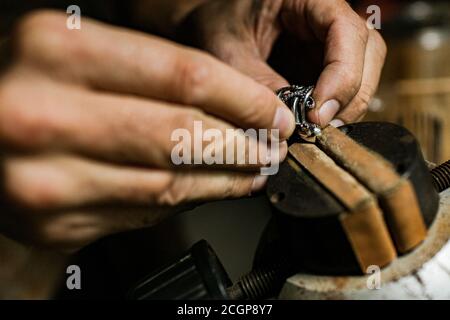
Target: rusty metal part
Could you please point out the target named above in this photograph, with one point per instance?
(368, 235)
(261, 283)
(265, 282)
(421, 274)
(396, 194)
(305, 210)
(441, 176)
(428, 280)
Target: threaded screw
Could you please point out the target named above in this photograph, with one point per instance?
(441, 176)
(260, 283)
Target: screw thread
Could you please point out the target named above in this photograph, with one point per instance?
(259, 284)
(441, 176)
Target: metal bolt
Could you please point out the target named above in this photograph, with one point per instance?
(441, 176)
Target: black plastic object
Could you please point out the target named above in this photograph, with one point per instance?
(197, 275)
(306, 224)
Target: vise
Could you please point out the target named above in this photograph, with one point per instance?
(355, 209)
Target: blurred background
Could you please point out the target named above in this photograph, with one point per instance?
(414, 92)
(415, 86)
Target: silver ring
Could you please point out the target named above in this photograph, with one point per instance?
(300, 100)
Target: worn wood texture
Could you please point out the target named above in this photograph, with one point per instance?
(421, 274)
(395, 193)
(363, 223)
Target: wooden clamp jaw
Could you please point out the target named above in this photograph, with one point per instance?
(363, 222)
(380, 204)
(353, 197)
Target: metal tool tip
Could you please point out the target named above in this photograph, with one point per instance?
(317, 131)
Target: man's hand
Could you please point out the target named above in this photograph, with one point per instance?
(86, 118)
(332, 43)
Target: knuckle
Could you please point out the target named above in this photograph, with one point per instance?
(183, 119)
(236, 187)
(31, 30)
(23, 128)
(175, 191)
(43, 36)
(186, 119)
(350, 20)
(39, 18)
(359, 26)
(24, 187)
(22, 124)
(346, 117)
(361, 110)
(262, 111)
(358, 107)
(364, 97)
(192, 74)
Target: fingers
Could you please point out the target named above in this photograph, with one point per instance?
(345, 38)
(71, 229)
(66, 202)
(50, 182)
(125, 129)
(374, 60)
(150, 67)
(239, 54)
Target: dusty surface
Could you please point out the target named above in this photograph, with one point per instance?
(395, 193)
(422, 274)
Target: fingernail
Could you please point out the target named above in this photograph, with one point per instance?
(258, 183)
(283, 121)
(336, 123)
(327, 112)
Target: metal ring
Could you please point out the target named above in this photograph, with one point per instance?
(299, 99)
